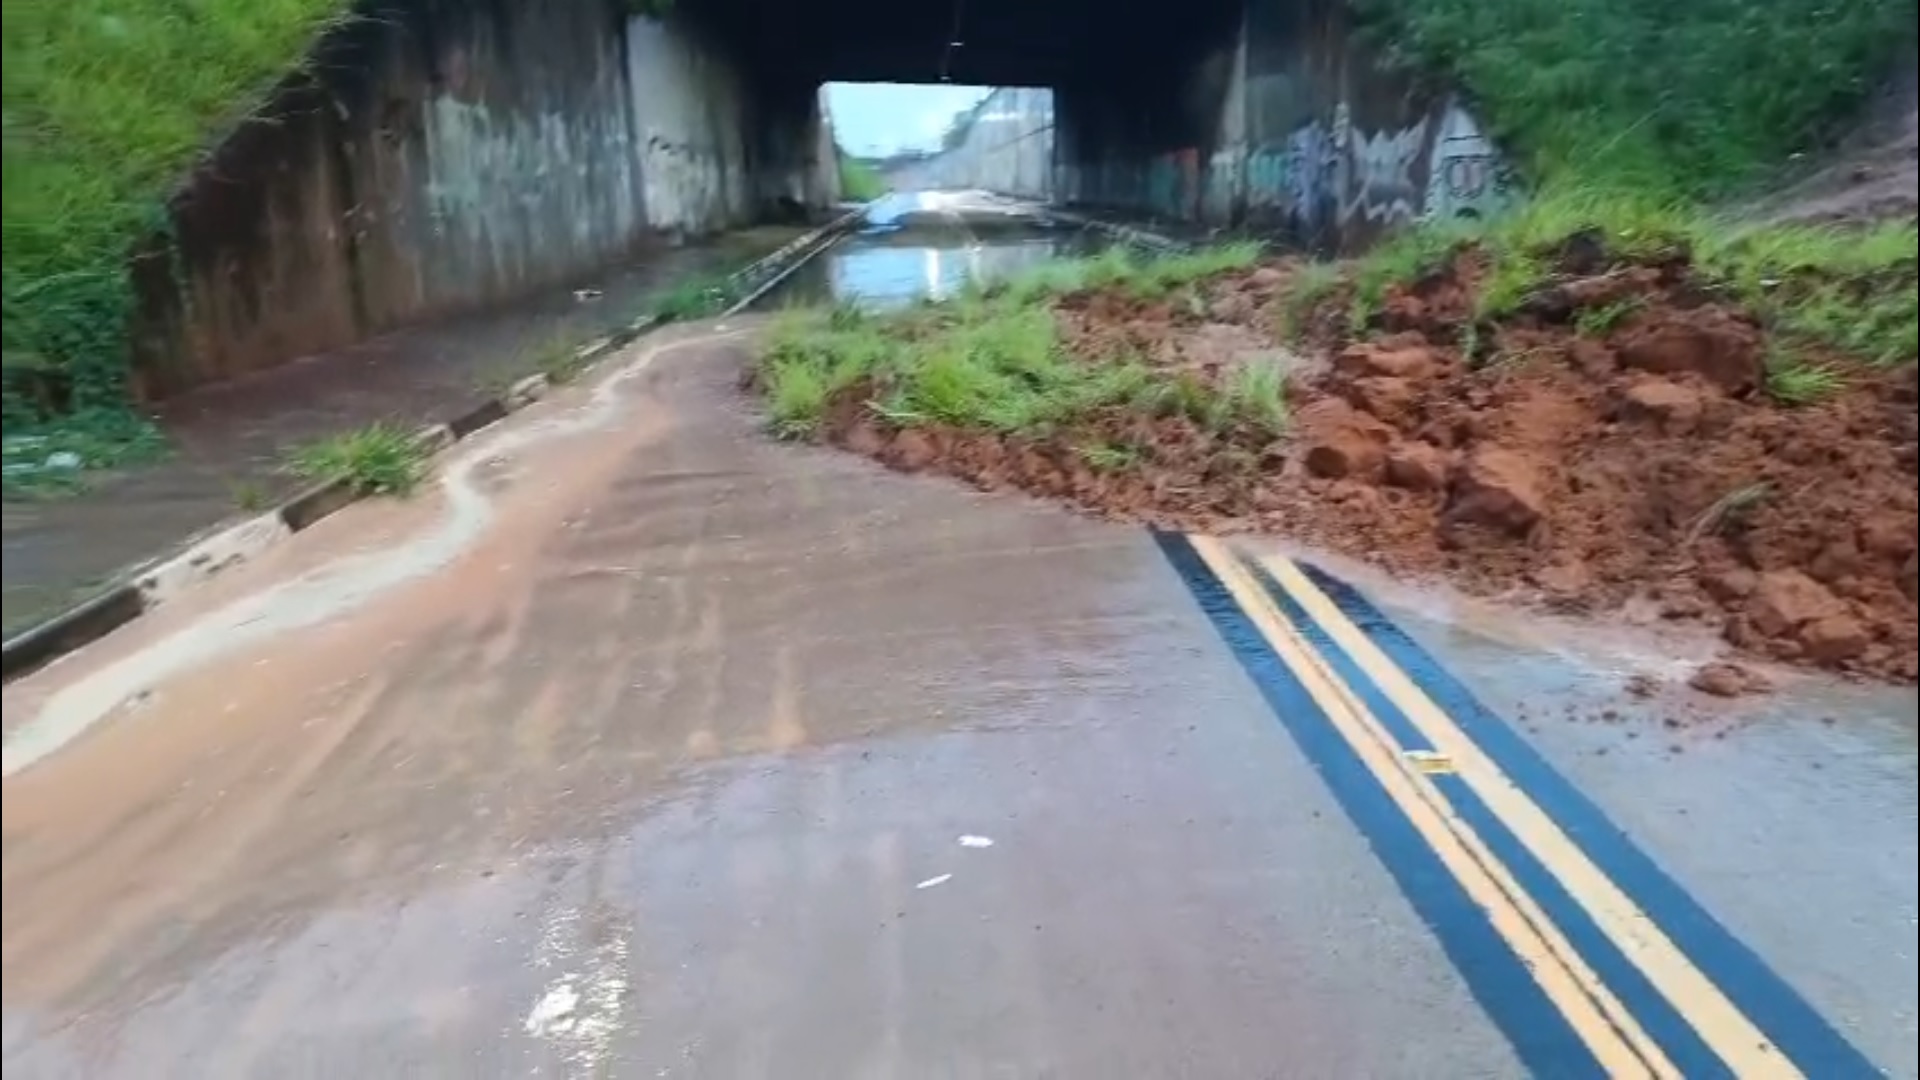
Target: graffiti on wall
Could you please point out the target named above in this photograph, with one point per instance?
(1466, 177)
(1373, 171)
(1340, 173)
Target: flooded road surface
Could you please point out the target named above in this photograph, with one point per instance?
(645, 746)
(921, 246)
(229, 442)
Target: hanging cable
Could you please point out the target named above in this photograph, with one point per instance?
(953, 42)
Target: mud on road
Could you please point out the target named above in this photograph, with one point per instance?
(1636, 466)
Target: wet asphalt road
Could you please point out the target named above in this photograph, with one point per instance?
(228, 442)
(647, 747)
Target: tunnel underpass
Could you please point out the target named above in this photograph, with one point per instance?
(437, 158)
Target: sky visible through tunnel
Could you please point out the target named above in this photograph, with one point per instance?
(880, 119)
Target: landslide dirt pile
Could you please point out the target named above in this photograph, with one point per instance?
(1635, 462)
(1639, 467)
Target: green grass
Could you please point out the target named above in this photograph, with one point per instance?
(1850, 290)
(859, 181)
(993, 361)
(1255, 394)
(695, 297)
(1142, 275)
(108, 103)
(248, 495)
(380, 459)
(1598, 322)
(1630, 117)
(1694, 99)
(1401, 258)
(559, 357)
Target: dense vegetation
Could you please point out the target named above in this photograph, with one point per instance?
(1695, 98)
(106, 106)
(1634, 119)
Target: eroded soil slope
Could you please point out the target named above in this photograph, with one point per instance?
(1612, 445)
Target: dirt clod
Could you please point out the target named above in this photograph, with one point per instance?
(1401, 362)
(1342, 442)
(1727, 680)
(1418, 466)
(1785, 600)
(1708, 341)
(1497, 487)
(1668, 406)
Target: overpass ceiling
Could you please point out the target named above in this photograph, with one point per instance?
(1001, 42)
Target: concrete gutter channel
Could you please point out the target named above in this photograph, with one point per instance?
(153, 583)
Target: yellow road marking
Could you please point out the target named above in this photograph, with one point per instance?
(1615, 1038)
(1745, 1049)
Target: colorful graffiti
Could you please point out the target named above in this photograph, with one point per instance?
(1337, 173)
(1466, 177)
(1374, 171)
(1327, 177)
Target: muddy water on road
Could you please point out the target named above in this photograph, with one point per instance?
(644, 774)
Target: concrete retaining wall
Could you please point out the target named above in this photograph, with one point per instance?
(1294, 126)
(449, 154)
(1007, 148)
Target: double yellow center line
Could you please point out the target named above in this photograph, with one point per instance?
(1411, 778)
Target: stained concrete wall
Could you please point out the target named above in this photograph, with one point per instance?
(1293, 126)
(450, 154)
(1006, 147)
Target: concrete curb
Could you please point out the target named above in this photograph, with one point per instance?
(154, 583)
(1124, 233)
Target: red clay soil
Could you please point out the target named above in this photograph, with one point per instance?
(1643, 471)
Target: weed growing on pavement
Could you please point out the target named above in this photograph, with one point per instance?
(248, 495)
(695, 298)
(380, 459)
(560, 358)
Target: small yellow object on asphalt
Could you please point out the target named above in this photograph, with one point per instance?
(1431, 762)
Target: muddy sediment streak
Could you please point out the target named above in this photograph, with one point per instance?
(1641, 467)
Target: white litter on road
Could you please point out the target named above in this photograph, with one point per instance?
(932, 881)
(553, 1013)
(976, 841)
